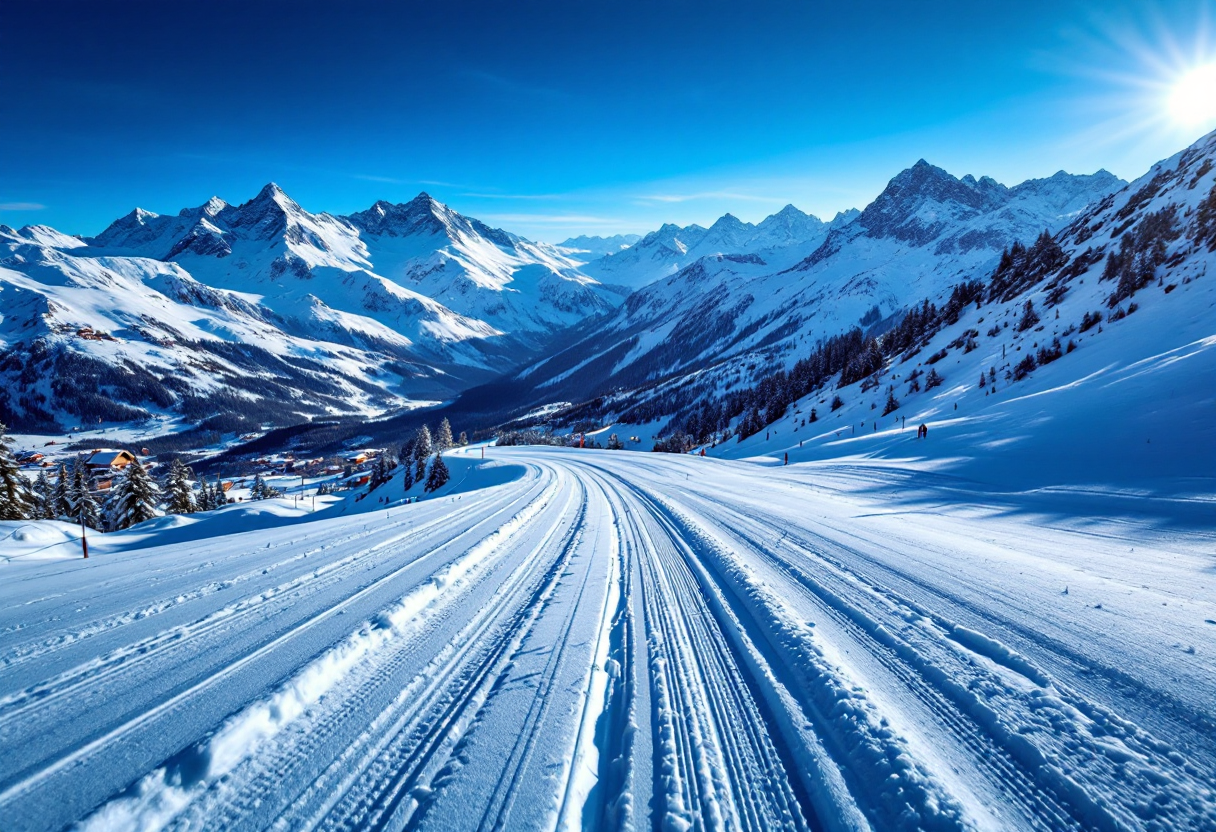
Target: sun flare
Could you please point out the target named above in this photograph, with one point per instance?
(1192, 100)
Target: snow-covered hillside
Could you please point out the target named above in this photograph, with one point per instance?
(1107, 390)
(273, 312)
(1078, 362)
(925, 233)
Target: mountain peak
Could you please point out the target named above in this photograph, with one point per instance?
(729, 220)
(898, 210)
(422, 214)
(210, 208)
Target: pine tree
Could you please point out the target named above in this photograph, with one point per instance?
(206, 497)
(464, 438)
(16, 501)
(439, 474)
(1024, 368)
(133, 499)
(258, 490)
(1029, 317)
(443, 438)
(215, 494)
(422, 452)
(983, 379)
(892, 403)
(61, 501)
(407, 476)
(934, 379)
(82, 507)
(44, 498)
(837, 403)
(180, 495)
(382, 471)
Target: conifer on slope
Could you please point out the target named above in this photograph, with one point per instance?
(133, 498)
(179, 495)
(443, 438)
(422, 451)
(82, 507)
(43, 505)
(439, 474)
(61, 500)
(16, 501)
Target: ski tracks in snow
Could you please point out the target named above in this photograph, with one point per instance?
(602, 644)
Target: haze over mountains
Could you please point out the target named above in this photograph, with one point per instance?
(266, 312)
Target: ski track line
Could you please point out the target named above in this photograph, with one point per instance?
(505, 796)
(718, 766)
(456, 685)
(884, 776)
(334, 537)
(624, 751)
(321, 617)
(128, 657)
(416, 708)
(587, 761)
(82, 752)
(1161, 769)
(1175, 714)
(1001, 768)
(158, 798)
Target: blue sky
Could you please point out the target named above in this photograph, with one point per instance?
(553, 119)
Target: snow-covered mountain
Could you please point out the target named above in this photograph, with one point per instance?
(393, 304)
(783, 238)
(586, 248)
(1084, 361)
(517, 286)
(925, 232)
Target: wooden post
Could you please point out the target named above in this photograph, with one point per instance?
(84, 541)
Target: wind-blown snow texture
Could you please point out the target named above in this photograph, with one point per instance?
(613, 640)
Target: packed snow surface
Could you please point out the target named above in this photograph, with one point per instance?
(589, 639)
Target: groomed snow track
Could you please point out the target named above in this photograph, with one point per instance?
(611, 641)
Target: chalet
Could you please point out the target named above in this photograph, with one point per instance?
(29, 457)
(107, 460)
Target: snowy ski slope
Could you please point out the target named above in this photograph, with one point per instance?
(623, 641)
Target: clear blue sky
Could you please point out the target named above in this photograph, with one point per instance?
(557, 118)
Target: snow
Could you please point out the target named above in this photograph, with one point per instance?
(589, 639)
(391, 306)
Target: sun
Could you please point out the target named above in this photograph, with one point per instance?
(1192, 99)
